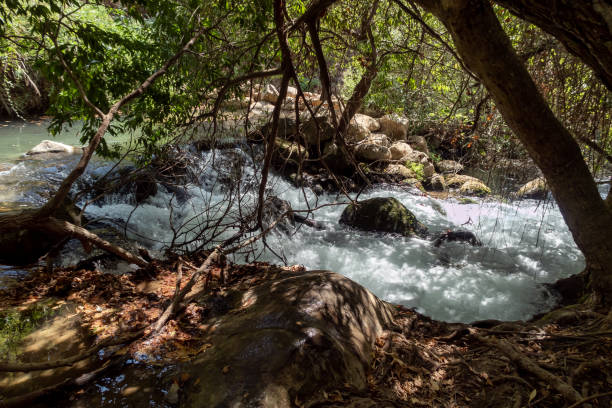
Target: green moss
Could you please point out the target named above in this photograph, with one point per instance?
(465, 200)
(382, 214)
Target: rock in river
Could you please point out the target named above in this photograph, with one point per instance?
(536, 189)
(383, 214)
(49, 146)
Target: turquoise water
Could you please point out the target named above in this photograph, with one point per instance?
(17, 137)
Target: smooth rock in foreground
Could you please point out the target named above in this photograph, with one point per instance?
(289, 337)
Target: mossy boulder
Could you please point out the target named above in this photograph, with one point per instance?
(536, 189)
(476, 188)
(437, 182)
(400, 170)
(458, 180)
(468, 185)
(382, 214)
(288, 152)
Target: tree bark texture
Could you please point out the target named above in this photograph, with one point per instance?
(487, 51)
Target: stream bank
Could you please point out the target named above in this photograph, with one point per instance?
(260, 335)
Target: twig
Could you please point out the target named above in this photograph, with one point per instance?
(589, 398)
(180, 295)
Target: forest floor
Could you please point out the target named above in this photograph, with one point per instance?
(562, 359)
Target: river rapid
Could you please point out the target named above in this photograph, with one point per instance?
(525, 242)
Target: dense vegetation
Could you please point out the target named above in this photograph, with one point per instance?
(418, 73)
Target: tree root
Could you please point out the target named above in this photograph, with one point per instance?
(590, 398)
(567, 391)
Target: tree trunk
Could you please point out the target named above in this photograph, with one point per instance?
(487, 51)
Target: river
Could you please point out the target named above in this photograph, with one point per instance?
(525, 242)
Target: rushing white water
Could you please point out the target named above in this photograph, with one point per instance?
(525, 244)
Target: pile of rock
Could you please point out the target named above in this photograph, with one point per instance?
(384, 143)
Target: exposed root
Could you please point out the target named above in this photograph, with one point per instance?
(590, 398)
(524, 362)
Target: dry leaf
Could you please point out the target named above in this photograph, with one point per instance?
(532, 395)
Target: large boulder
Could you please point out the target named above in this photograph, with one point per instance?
(418, 143)
(416, 157)
(373, 125)
(468, 185)
(287, 152)
(477, 188)
(382, 214)
(400, 150)
(50, 146)
(400, 170)
(145, 186)
(428, 169)
(437, 182)
(449, 166)
(379, 139)
(394, 126)
(285, 337)
(357, 132)
(371, 152)
(536, 189)
(278, 213)
(269, 94)
(458, 180)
